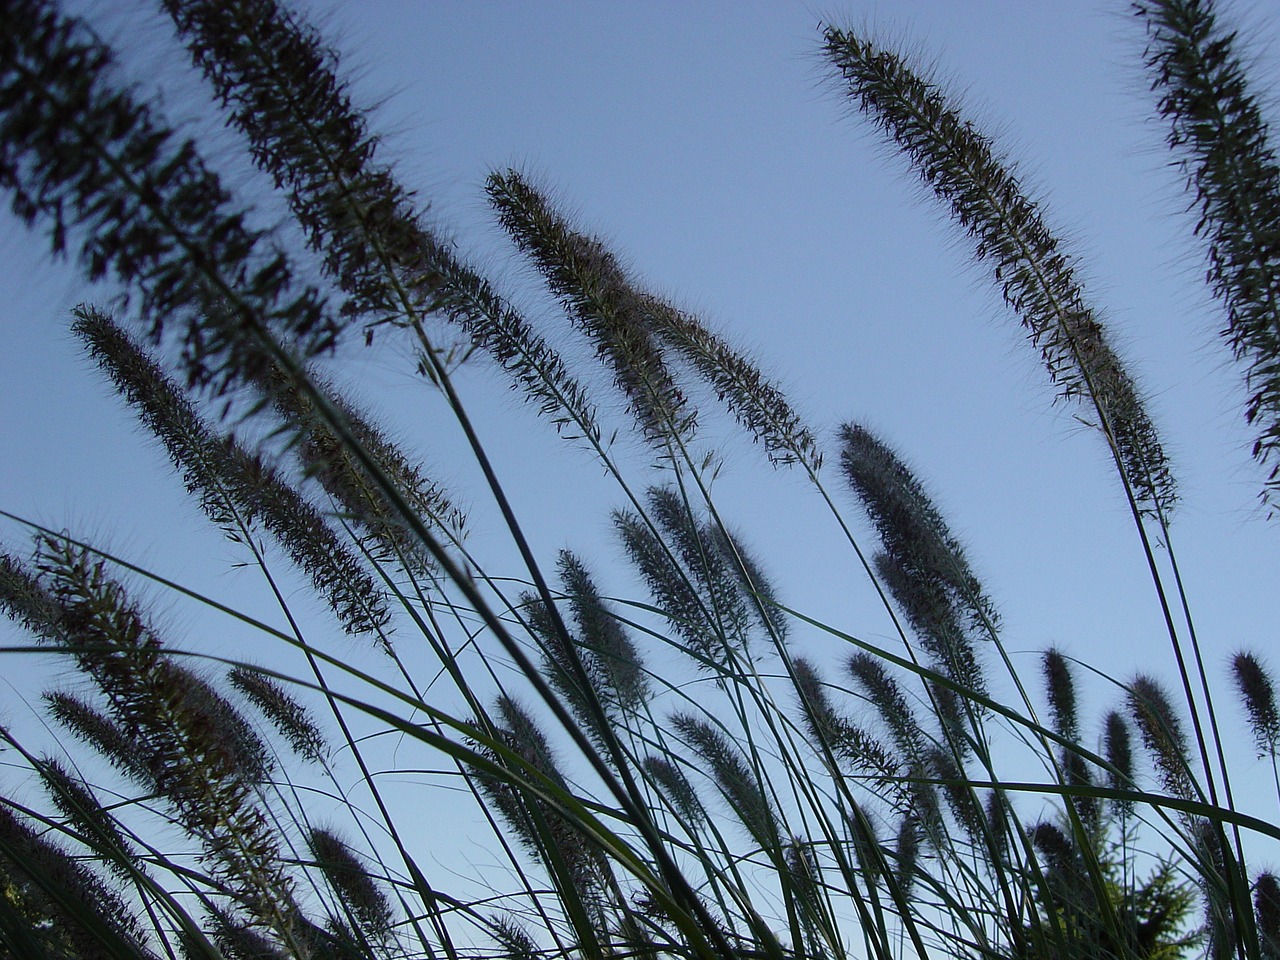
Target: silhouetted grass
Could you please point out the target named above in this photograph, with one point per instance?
(669, 772)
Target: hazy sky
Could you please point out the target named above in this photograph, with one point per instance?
(709, 146)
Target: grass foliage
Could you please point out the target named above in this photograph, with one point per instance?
(669, 773)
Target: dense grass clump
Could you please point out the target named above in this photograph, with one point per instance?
(686, 767)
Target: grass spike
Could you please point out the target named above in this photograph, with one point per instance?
(1117, 747)
(921, 562)
(606, 643)
(1162, 735)
(1221, 139)
(676, 787)
(234, 485)
(1035, 275)
(179, 732)
(92, 919)
(349, 878)
(896, 713)
(1062, 694)
(728, 769)
(759, 405)
(1266, 900)
(1258, 694)
(100, 732)
(601, 300)
(671, 588)
(290, 717)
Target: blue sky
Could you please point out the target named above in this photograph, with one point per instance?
(707, 144)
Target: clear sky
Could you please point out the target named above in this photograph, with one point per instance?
(708, 144)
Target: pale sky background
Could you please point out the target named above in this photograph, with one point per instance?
(706, 142)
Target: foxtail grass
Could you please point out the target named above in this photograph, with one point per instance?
(657, 757)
